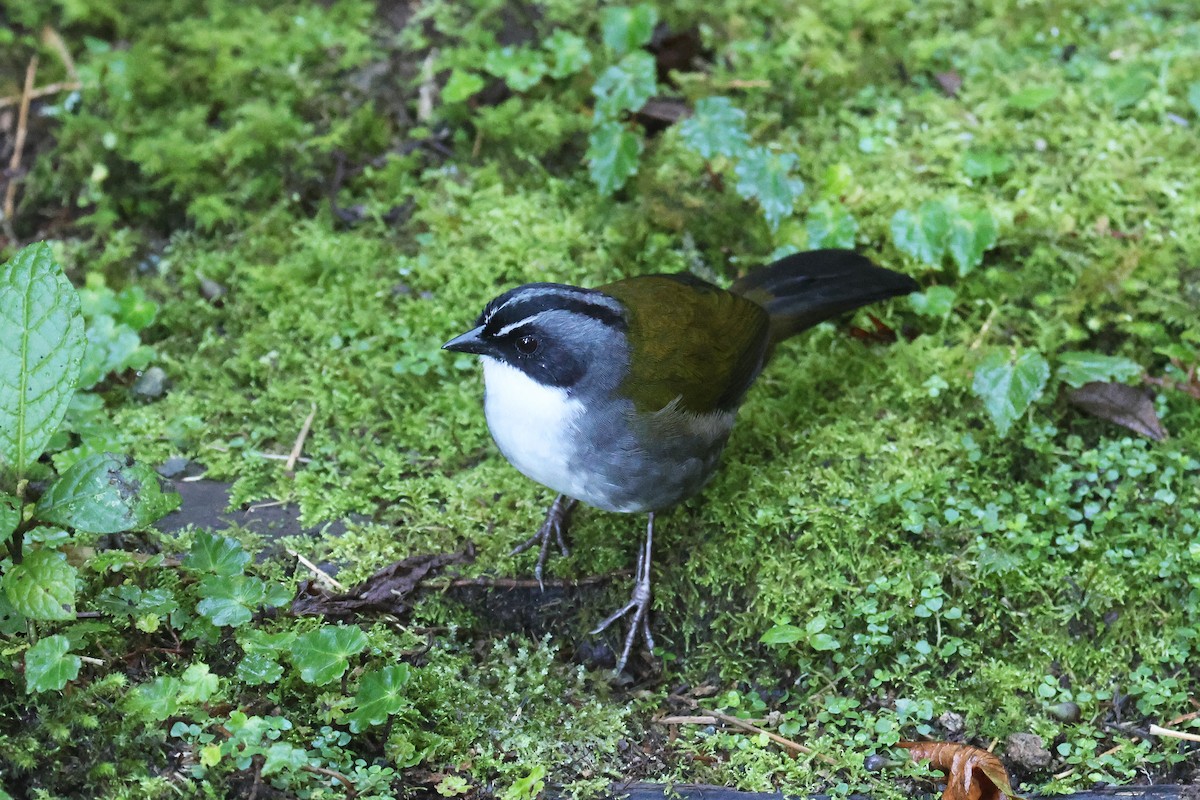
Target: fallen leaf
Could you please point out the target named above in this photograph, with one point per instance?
(660, 113)
(1127, 406)
(385, 592)
(971, 773)
(950, 82)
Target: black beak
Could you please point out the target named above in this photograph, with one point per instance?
(470, 342)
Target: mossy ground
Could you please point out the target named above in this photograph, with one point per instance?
(865, 494)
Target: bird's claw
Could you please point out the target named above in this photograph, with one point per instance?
(557, 518)
(639, 604)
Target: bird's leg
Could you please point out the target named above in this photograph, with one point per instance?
(557, 518)
(639, 603)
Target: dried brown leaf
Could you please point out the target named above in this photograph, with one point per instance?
(971, 773)
(1125, 405)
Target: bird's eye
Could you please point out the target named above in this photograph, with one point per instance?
(527, 345)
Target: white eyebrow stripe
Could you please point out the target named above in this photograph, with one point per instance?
(507, 329)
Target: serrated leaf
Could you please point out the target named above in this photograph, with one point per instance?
(380, 695)
(135, 309)
(625, 29)
(519, 67)
(111, 347)
(230, 600)
(765, 176)
(612, 156)
(936, 301)
(157, 700)
(972, 233)
(625, 86)
(281, 756)
(42, 586)
(783, 634)
(716, 128)
(105, 493)
(323, 655)
(1032, 97)
(49, 665)
(460, 86)
(1008, 385)
(830, 225)
(40, 353)
(219, 555)
(922, 235)
(197, 684)
(571, 53)
(1076, 369)
(10, 515)
(257, 669)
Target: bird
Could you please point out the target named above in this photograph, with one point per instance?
(624, 395)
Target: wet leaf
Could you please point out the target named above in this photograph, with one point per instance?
(42, 586)
(219, 555)
(324, 655)
(766, 177)
(571, 53)
(922, 234)
(626, 85)
(936, 301)
(385, 592)
(612, 155)
(460, 86)
(105, 493)
(971, 773)
(625, 29)
(1079, 368)
(380, 695)
(1127, 406)
(716, 128)
(49, 666)
(230, 600)
(1008, 384)
(10, 515)
(830, 225)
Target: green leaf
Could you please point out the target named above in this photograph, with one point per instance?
(936, 301)
(830, 225)
(1194, 97)
(380, 695)
(111, 347)
(571, 53)
(716, 128)
(257, 669)
(135, 309)
(823, 642)
(519, 67)
(922, 235)
(626, 29)
(105, 493)
(985, 163)
(197, 684)
(783, 634)
(625, 86)
(972, 233)
(764, 176)
(49, 666)
(40, 353)
(612, 156)
(42, 586)
(282, 756)
(1127, 90)
(1008, 384)
(323, 655)
(230, 600)
(526, 788)
(460, 86)
(155, 701)
(219, 555)
(1076, 369)
(1032, 98)
(10, 516)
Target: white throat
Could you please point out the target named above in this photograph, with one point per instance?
(533, 425)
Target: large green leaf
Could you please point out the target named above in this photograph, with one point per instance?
(105, 493)
(626, 85)
(323, 655)
(570, 53)
(230, 600)
(625, 29)
(972, 233)
(41, 350)
(717, 128)
(766, 177)
(612, 155)
(830, 225)
(922, 234)
(49, 666)
(380, 695)
(42, 586)
(219, 555)
(1009, 384)
(1079, 368)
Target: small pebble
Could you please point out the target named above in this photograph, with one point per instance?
(151, 384)
(1065, 712)
(1027, 751)
(952, 723)
(875, 762)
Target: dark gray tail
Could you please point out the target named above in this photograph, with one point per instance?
(800, 290)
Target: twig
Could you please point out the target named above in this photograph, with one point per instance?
(337, 776)
(774, 737)
(96, 662)
(987, 326)
(14, 164)
(687, 719)
(1156, 730)
(299, 445)
(321, 575)
(51, 37)
(742, 84)
(53, 88)
(425, 94)
(526, 583)
(1183, 718)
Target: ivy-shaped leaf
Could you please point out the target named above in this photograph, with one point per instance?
(10, 515)
(519, 67)
(230, 600)
(105, 493)
(571, 53)
(40, 353)
(625, 29)
(985, 163)
(625, 86)
(460, 86)
(972, 233)
(219, 555)
(830, 225)
(49, 665)
(936, 301)
(380, 695)
(1009, 384)
(323, 655)
(282, 756)
(612, 156)
(257, 669)
(717, 128)
(155, 701)
(765, 176)
(1076, 369)
(922, 235)
(42, 586)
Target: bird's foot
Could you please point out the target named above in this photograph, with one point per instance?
(558, 517)
(639, 604)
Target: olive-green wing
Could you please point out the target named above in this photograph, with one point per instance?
(690, 340)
